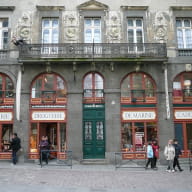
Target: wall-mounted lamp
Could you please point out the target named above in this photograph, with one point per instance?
(138, 66)
(74, 70)
(112, 66)
(93, 66)
(48, 67)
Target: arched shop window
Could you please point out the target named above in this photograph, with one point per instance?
(6, 87)
(182, 87)
(139, 122)
(93, 87)
(48, 87)
(138, 87)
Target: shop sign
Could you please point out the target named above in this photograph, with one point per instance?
(138, 115)
(50, 116)
(6, 116)
(183, 114)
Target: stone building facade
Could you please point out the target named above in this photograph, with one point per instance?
(96, 77)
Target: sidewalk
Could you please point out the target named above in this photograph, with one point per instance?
(31, 177)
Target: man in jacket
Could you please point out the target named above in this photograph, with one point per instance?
(15, 146)
(177, 153)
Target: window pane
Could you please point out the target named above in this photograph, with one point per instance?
(87, 22)
(46, 23)
(7, 131)
(126, 88)
(151, 131)
(139, 23)
(139, 36)
(139, 137)
(180, 38)
(36, 89)
(88, 82)
(100, 131)
(98, 82)
(130, 36)
(55, 36)
(97, 36)
(60, 87)
(189, 135)
(178, 23)
(137, 81)
(88, 131)
(130, 22)
(188, 38)
(63, 137)
(127, 140)
(187, 23)
(55, 23)
(97, 22)
(33, 138)
(5, 23)
(46, 36)
(49, 82)
(9, 87)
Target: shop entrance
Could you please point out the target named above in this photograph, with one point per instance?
(49, 130)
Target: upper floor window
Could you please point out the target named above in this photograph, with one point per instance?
(93, 86)
(3, 33)
(138, 87)
(92, 30)
(48, 87)
(6, 87)
(182, 87)
(135, 30)
(50, 30)
(184, 33)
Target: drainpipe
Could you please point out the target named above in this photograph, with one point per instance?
(18, 95)
(166, 91)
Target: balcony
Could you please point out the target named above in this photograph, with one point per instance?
(104, 51)
(185, 52)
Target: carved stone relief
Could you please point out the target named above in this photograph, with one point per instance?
(114, 27)
(71, 27)
(160, 27)
(23, 27)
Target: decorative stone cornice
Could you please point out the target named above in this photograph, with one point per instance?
(7, 8)
(50, 8)
(92, 5)
(142, 8)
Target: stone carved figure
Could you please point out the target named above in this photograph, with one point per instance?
(114, 29)
(160, 28)
(71, 25)
(23, 28)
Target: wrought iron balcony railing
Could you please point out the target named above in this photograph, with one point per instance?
(95, 50)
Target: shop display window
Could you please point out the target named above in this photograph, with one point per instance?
(6, 133)
(136, 135)
(33, 138)
(189, 136)
(63, 137)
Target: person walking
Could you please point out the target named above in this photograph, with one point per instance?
(15, 146)
(177, 153)
(155, 147)
(169, 153)
(149, 155)
(43, 150)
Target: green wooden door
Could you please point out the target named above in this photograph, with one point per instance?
(93, 134)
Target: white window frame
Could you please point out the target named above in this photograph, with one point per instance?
(183, 29)
(135, 48)
(53, 49)
(2, 30)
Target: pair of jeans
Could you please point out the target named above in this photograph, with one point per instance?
(14, 156)
(170, 164)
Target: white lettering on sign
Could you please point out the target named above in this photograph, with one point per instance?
(6, 116)
(141, 115)
(55, 115)
(183, 114)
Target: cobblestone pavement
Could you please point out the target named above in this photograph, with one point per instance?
(91, 178)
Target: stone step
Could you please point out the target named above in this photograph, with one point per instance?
(94, 162)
